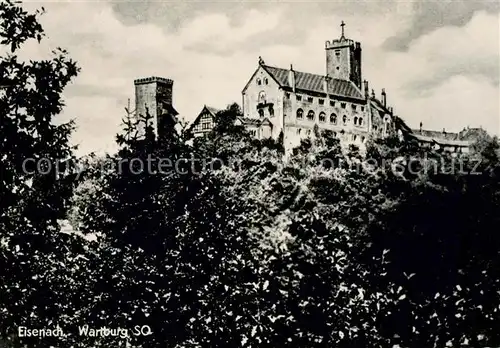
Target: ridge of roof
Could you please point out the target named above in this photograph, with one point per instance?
(212, 109)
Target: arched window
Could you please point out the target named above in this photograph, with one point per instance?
(344, 119)
(333, 118)
(355, 121)
(310, 115)
(261, 113)
(322, 117)
(265, 80)
(259, 82)
(271, 111)
(262, 97)
(300, 113)
(360, 121)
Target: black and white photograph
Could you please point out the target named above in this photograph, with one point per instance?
(249, 174)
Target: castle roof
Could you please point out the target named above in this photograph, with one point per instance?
(212, 110)
(315, 83)
(436, 134)
(254, 122)
(441, 140)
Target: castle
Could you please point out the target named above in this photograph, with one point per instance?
(279, 102)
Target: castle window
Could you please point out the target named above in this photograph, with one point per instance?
(360, 121)
(287, 95)
(310, 99)
(342, 105)
(262, 97)
(261, 113)
(298, 130)
(355, 121)
(266, 80)
(299, 97)
(271, 111)
(333, 118)
(337, 53)
(362, 108)
(259, 82)
(354, 137)
(353, 106)
(308, 132)
(300, 113)
(310, 115)
(321, 101)
(322, 117)
(344, 119)
(332, 103)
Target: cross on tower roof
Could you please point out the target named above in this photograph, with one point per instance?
(342, 25)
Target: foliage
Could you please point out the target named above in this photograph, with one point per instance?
(35, 185)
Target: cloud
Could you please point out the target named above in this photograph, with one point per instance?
(431, 15)
(212, 50)
(458, 102)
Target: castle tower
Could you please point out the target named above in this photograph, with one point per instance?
(343, 59)
(154, 94)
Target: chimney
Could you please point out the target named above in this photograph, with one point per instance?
(291, 78)
(390, 110)
(420, 126)
(367, 91)
(325, 84)
(444, 131)
(384, 97)
(373, 93)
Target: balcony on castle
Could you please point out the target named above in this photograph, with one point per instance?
(264, 105)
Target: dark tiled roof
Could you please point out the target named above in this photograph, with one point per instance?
(314, 83)
(212, 110)
(169, 109)
(441, 141)
(472, 134)
(250, 121)
(436, 134)
(247, 121)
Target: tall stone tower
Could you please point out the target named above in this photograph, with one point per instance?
(154, 94)
(343, 59)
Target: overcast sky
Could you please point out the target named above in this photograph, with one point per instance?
(438, 61)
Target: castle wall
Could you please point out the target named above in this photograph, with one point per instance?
(145, 99)
(297, 129)
(149, 92)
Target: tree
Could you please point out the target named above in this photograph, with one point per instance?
(35, 163)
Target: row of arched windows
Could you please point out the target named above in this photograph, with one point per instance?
(259, 81)
(358, 121)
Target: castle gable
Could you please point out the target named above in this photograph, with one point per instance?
(258, 74)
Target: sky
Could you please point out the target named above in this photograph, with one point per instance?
(437, 60)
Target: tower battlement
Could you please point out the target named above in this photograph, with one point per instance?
(153, 79)
(342, 42)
